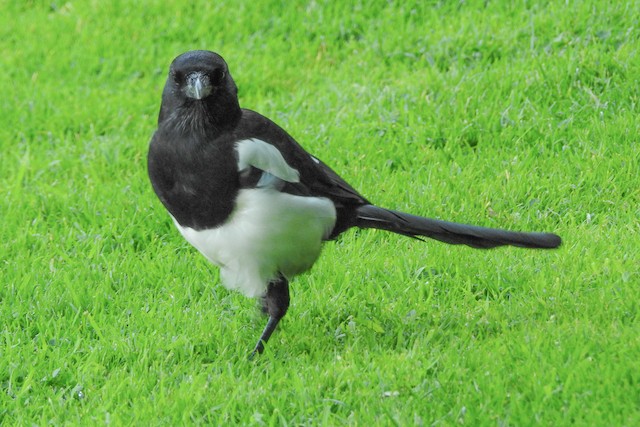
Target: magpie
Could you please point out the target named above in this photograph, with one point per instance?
(246, 195)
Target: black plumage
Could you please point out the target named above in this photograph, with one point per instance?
(235, 183)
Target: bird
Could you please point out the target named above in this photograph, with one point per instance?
(254, 202)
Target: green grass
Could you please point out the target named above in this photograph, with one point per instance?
(507, 115)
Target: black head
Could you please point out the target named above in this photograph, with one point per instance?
(196, 74)
(200, 79)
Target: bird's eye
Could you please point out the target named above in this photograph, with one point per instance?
(217, 76)
(176, 76)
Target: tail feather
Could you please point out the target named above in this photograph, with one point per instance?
(369, 216)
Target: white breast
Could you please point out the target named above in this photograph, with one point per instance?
(268, 233)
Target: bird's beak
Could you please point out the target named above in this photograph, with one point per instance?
(198, 86)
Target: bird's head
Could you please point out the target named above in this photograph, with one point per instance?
(200, 77)
(198, 74)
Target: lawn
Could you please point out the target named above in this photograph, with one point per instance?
(520, 115)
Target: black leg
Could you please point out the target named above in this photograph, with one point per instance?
(275, 303)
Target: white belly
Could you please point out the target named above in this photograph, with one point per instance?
(268, 233)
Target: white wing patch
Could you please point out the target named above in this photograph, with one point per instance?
(266, 157)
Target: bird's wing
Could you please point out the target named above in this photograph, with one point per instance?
(274, 151)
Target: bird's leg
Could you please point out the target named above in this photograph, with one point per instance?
(275, 303)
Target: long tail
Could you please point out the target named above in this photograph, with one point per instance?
(369, 216)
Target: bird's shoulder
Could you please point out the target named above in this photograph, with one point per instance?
(314, 175)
